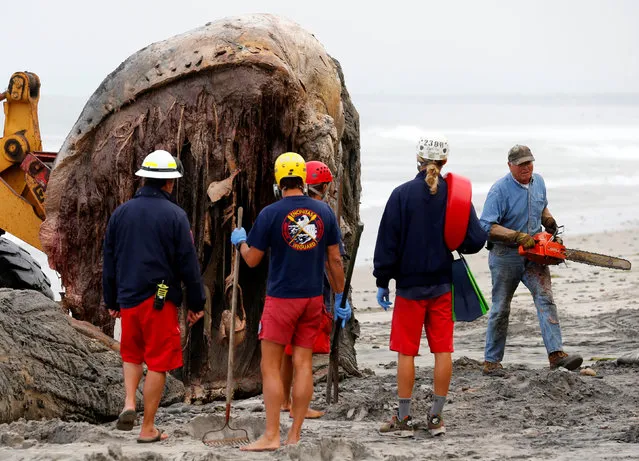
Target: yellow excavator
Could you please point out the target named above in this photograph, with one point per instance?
(24, 173)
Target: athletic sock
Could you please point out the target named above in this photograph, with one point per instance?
(438, 405)
(404, 408)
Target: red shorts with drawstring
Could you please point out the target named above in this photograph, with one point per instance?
(322, 344)
(293, 321)
(409, 316)
(151, 336)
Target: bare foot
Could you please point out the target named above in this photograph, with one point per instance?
(292, 439)
(311, 414)
(263, 444)
(286, 406)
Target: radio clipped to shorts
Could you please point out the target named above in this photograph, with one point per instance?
(160, 296)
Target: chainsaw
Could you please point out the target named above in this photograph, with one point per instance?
(548, 251)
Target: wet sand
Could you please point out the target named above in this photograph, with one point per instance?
(531, 413)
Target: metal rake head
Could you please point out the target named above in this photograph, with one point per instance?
(235, 442)
(237, 438)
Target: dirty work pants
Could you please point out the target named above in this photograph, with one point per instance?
(507, 269)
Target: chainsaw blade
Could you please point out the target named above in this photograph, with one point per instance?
(595, 259)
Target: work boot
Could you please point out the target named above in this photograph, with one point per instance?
(561, 359)
(403, 428)
(493, 369)
(436, 425)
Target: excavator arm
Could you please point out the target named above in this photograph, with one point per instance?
(24, 169)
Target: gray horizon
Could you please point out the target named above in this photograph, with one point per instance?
(461, 47)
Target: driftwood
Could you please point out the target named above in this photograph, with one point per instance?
(232, 94)
(49, 369)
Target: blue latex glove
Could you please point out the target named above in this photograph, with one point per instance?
(238, 236)
(383, 298)
(342, 313)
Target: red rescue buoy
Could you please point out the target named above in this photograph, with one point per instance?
(458, 203)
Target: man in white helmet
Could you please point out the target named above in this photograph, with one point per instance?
(148, 255)
(411, 249)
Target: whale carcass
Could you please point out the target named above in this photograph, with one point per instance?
(227, 99)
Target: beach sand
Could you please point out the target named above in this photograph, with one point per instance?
(531, 413)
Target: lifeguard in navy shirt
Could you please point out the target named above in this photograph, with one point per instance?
(318, 180)
(148, 244)
(302, 234)
(411, 249)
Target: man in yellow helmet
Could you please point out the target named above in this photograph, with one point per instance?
(302, 234)
(318, 179)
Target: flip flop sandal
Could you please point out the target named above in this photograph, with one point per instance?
(157, 438)
(126, 420)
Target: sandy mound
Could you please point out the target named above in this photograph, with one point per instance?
(532, 413)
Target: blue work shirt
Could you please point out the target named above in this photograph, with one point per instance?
(298, 230)
(148, 240)
(514, 206)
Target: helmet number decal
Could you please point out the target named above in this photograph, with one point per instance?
(432, 148)
(431, 143)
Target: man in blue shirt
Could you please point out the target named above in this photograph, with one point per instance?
(148, 243)
(318, 180)
(302, 233)
(516, 207)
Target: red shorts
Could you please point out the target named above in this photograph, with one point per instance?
(434, 314)
(293, 321)
(322, 344)
(151, 336)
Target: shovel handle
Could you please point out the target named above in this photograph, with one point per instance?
(229, 370)
(332, 378)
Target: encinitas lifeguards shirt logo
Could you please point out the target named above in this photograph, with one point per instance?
(302, 229)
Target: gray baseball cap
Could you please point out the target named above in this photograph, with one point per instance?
(520, 154)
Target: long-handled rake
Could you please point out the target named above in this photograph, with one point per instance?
(228, 435)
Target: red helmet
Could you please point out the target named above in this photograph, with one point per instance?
(317, 173)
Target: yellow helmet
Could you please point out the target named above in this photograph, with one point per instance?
(290, 165)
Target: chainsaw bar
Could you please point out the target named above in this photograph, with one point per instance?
(595, 259)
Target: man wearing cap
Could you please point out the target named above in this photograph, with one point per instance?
(516, 207)
(148, 255)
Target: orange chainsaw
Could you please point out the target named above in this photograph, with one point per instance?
(548, 250)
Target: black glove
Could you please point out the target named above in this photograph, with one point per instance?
(525, 240)
(550, 224)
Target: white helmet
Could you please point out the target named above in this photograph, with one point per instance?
(432, 147)
(159, 164)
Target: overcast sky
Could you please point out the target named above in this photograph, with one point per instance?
(390, 47)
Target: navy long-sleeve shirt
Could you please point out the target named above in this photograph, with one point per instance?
(148, 240)
(410, 244)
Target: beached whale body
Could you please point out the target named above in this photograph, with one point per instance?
(258, 84)
(52, 366)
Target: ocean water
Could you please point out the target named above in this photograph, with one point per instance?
(586, 148)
